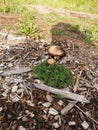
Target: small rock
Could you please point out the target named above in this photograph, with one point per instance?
(71, 123)
(52, 111)
(49, 98)
(46, 104)
(85, 125)
(21, 128)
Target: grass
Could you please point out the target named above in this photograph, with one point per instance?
(55, 75)
(90, 6)
(86, 27)
(52, 18)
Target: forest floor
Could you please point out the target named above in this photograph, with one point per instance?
(24, 107)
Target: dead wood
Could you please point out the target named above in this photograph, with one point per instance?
(16, 71)
(63, 93)
(76, 84)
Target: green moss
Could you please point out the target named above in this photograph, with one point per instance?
(58, 76)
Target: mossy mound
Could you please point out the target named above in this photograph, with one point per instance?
(55, 75)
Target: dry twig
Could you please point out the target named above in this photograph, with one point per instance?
(63, 93)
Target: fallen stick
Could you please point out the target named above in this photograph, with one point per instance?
(76, 84)
(64, 93)
(16, 71)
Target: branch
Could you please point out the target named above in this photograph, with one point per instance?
(64, 93)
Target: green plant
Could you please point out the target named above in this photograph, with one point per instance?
(58, 32)
(28, 27)
(5, 8)
(74, 28)
(54, 75)
(92, 34)
(89, 35)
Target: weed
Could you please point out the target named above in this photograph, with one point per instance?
(54, 75)
(5, 8)
(27, 27)
(89, 35)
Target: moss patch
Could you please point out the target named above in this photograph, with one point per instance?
(58, 76)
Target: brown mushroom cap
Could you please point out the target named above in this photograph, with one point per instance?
(50, 61)
(56, 51)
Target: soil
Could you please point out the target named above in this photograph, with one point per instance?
(22, 105)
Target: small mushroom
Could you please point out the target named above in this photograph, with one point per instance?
(56, 51)
(50, 61)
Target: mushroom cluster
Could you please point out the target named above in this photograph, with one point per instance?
(56, 52)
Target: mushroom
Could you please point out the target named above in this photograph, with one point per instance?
(50, 61)
(56, 51)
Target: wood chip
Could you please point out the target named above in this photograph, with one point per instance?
(85, 125)
(76, 84)
(30, 103)
(46, 104)
(49, 98)
(21, 128)
(14, 88)
(67, 108)
(56, 125)
(71, 123)
(52, 111)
